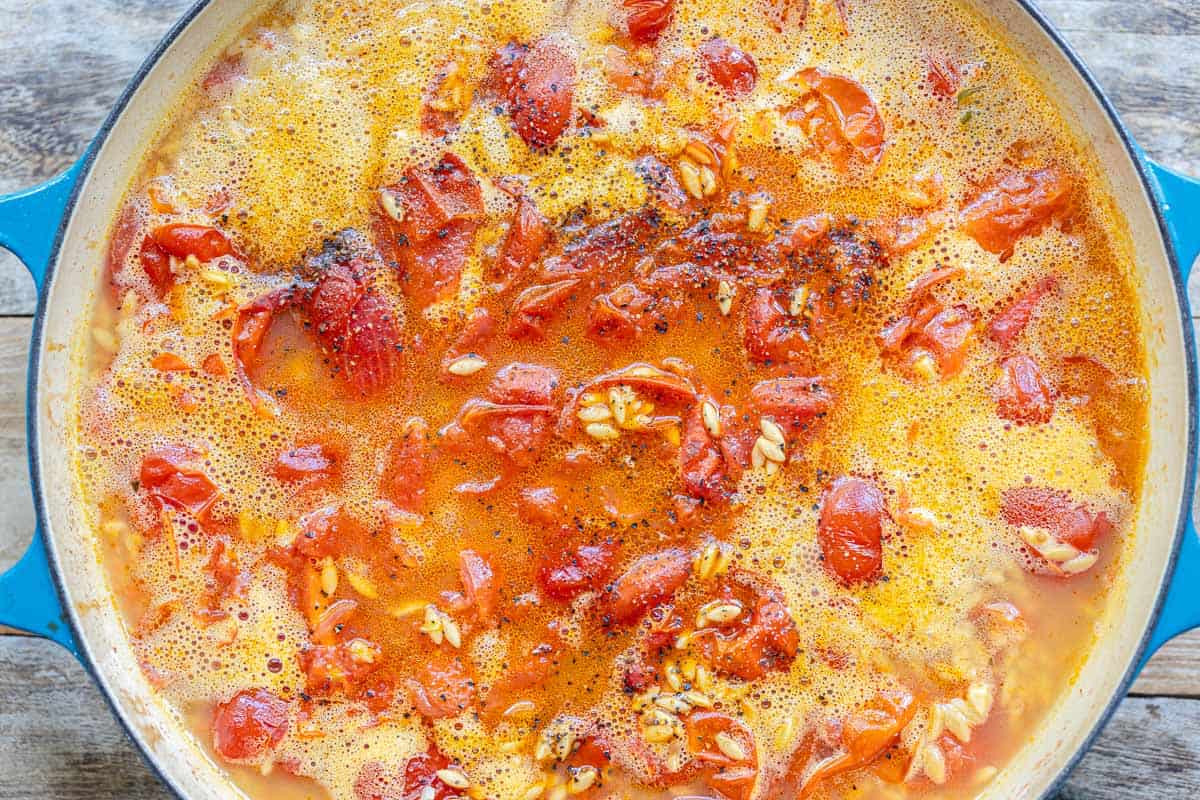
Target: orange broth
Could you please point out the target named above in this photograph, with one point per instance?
(615, 398)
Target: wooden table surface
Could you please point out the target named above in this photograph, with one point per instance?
(65, 61)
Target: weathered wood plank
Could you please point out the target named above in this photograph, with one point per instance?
(59, 730)
(65, 63)
(16, 523)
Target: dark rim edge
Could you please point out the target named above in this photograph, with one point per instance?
(1027, 6)
(31, 397)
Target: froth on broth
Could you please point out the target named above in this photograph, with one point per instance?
(614, 398)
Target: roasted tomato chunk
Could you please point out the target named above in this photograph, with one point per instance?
(1055, 511)
(647, 18)
(1012, 205)
(310, 465)
(649, 581)
(1006, 327)
(248, 724)
(568, 573)
(439, 208)
(527, 238)
(772, 334)
(793, 401)
(706, 469)
(839, 117)
(480, 583)
(157, 266)
(866, 734)
(729, 66)
(754, 644)
(930, 339)
(417, 781)
(850, 529)
(538, 85)
(171, 475)
(407, 470)
(202, 241)
(341, 667)
(442, 689)
(1023, 395)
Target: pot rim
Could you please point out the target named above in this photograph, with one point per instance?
(1027, 6)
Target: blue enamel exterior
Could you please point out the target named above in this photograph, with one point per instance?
(29, 599)
(1179, 199)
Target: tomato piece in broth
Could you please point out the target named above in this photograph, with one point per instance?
(1012, 205)
(480, 583)
(171, 475)
(248, 724)
(157, 266)
(867, 733)
(538, 86)
(527, 237)
(840, 117)
(647, 18)
(443, 688)
(181, 240)
(1023, 395)
(649, 581)
(310, 465)
(850, 529)
(440, 209)
(568, 573)
(1008, 325)
(729, 66)
(1054, 510)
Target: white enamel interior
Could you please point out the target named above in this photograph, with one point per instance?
(102, 636)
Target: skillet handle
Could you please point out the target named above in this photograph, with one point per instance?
(1179, 197)
(29, 222)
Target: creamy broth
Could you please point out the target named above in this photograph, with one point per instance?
(615, 398)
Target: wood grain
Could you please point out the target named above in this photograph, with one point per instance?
(65, 62)
(69, 747)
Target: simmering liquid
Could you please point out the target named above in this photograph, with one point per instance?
(614, 399)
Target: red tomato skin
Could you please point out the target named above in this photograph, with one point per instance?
(844, 119)
(407, 472)
(771, 334)
(793, 400)
(1013, 205)
(371, 355)
(247, 724)
(1006, 327)
(479, 579)
(649, 581)
(541, 506)
(181, 240)
(1054, 510)
(850, 529)
(647, 18)
(313, 465)
(169, 474)
(1023, 395)
(443, 690)
(729, 66)
(571, 572)
(942, 75)
(538, 83)
(443, 207)
(527, 238)
(157, 266)
(519, 383)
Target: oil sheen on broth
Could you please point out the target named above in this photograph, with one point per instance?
(614, 399)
